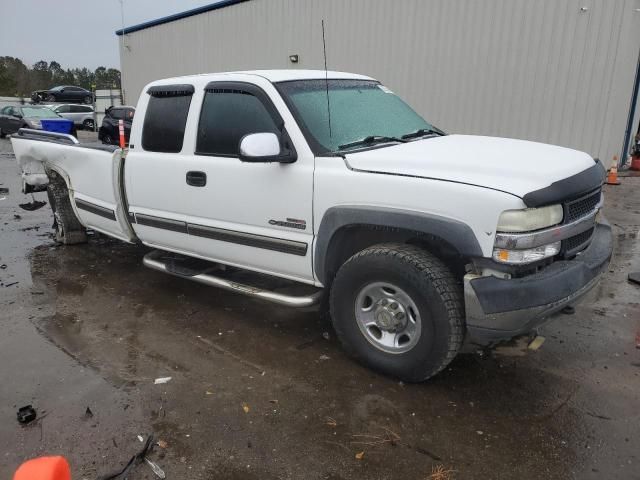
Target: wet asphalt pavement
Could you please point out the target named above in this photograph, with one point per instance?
(265, 392)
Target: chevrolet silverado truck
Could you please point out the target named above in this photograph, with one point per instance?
(330, 187)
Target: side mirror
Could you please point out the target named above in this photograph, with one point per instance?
(262, 147)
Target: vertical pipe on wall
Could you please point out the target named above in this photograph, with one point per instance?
(632, 113)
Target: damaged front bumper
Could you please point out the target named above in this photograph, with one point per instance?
(499, 309)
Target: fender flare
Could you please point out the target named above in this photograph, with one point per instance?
(457, 233)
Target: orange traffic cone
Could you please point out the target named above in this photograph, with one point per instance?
(44, 468)
(612, 176)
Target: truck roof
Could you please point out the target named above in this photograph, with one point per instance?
(271, 75)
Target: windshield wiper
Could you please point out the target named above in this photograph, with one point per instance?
(423, 132)
(372, 140)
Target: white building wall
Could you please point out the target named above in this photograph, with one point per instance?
(555, 71)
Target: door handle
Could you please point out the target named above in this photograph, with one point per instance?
(196, 179)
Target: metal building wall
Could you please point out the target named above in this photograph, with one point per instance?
(556, 71)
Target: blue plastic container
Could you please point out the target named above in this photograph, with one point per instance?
(58, 125)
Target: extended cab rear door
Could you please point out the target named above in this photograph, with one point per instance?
(190, 193)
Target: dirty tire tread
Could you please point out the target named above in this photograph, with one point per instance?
(69, 229)
(443, 282)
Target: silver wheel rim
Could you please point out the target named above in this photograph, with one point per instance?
(388, 317)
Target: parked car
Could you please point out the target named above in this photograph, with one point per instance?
(63, 93)
(422, 243)
(83, 116)
(12, 118)
(109, 131)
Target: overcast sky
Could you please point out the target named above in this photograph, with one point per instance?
(75, 33)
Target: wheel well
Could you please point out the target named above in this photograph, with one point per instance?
(351, 239)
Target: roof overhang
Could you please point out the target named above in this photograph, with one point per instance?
(178, 16)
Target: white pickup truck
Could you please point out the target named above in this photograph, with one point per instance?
(417, 242)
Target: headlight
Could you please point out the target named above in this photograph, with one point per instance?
(519, 257)
(35, 123)
(530, 219)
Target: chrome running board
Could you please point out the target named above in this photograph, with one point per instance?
(154, 260)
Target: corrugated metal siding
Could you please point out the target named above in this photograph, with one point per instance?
(541, 70)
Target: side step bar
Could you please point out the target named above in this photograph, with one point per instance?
(154, 260)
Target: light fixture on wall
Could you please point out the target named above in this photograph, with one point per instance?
(294, 58)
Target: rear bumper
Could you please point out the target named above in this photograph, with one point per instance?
(499, 309)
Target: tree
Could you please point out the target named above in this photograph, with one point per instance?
(16, 79)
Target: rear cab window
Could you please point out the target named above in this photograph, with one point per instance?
(166, 118)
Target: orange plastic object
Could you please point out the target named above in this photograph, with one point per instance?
(44, 468)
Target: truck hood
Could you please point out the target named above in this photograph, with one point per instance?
(513, 166)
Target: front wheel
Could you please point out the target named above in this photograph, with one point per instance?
(398, 309)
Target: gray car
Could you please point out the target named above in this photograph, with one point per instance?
(13, 118)
(82, 115)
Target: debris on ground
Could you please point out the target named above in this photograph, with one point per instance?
(4, 191)
(536, 343)
(440, 473)
(634, 277)
(32, 206)
(324, 358)
(11, 284)
(389, 436)
(156, 469)
(245, 407)
(26, 414)
(88, 413)
(162, 444)
(161, 380)
(16, 216)
(136, 460)
(326, 335)
(331, 422)
(140, 438)
(360, 455)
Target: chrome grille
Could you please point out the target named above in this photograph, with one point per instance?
(581, 207)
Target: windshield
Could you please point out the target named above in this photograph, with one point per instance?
(359, 109)
(39, 112)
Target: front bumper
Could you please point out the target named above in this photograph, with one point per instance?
(499, 309)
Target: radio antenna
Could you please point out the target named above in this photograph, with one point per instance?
(326, 77)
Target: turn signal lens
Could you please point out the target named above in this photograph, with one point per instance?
(518, 257)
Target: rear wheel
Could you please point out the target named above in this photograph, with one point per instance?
(398, 309)
(106, 138)
(50, 98)
(89, 125)
(67, 228)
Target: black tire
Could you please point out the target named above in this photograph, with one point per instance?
(433, 289)
(68, 229)
(87, 100)
(106, 138)
(89, 125)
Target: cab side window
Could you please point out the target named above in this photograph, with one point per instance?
(227, 115)
(166, 118)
